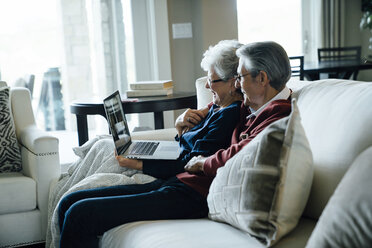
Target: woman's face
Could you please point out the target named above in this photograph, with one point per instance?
(221, 90)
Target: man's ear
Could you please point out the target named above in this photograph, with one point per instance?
(263, 78)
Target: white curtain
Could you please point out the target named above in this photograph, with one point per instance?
(333, 23)
(311, 26)
(323, 24)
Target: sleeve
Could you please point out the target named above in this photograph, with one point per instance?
(210, 105)
(218, 135)
(219, 159)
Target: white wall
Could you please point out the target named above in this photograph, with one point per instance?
(212, 21)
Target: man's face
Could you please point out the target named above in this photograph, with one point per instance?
(250, 86)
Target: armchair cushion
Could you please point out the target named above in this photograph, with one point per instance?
(17, 193)
(10, 155)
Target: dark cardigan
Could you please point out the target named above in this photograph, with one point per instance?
(210, 135)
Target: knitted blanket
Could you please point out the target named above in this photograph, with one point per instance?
(96, 167)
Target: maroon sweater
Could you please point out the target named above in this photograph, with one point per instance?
(248, 129)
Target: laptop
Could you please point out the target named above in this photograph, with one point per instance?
(138, 149)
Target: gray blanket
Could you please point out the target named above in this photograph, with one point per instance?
(95, 167)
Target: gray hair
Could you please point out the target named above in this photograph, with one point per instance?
(269, 57)
(222, 59)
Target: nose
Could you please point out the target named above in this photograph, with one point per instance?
(207, 84)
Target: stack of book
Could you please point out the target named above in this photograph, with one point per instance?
(150, 88)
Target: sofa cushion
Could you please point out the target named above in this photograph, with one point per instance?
(194, 233)
(10, 155)
(346, 220)
(263, 189)
(17, 193)
(18, 229)
(336, 115)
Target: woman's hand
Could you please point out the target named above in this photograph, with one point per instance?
(189, 119)
(196, 165)
(129, 163)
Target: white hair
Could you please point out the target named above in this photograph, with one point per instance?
(222, 59)
(266, 56)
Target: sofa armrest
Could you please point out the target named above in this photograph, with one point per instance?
(40, 161)
(21, 107)
(39, 150)
(204, 96)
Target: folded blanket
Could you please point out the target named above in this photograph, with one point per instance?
(96, 167)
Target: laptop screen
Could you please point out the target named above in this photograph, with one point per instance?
(117, 122)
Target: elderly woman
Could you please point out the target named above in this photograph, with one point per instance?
(215, 130)
(89, 213)
(263, 72)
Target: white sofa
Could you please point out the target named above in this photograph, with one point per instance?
(24, 195)
(336, 116)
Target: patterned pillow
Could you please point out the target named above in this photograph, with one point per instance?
(263, 189)
(10, 156)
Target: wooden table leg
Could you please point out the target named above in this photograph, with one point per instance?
(312, 76)
(159, 120)
(82, 129)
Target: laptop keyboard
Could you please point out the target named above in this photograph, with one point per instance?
(144, 148)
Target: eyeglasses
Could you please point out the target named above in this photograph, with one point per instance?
(238, 78)
(213, 81)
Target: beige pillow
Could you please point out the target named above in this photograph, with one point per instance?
(263, 189)
(347, 218)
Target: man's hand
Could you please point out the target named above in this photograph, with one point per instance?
(189, 119)
(196, 165)
(129, 163)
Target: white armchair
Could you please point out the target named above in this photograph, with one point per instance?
(24, 195)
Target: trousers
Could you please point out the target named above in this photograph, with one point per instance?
(86, 214)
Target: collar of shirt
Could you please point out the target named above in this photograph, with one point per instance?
(282, 95)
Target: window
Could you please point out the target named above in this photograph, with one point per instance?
(279, 21)
(74, 42)
(90, 45)
(30, 43)
(129, 46)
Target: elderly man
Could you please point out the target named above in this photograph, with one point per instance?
(263, 72)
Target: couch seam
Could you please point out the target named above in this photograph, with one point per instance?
(41, 154)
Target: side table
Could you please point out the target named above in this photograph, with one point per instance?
(155, 104)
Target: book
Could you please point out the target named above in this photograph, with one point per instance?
(139, 93)
(151, 85)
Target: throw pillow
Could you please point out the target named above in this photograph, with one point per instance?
(10, 156)
(346, 219)
(263, 189)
